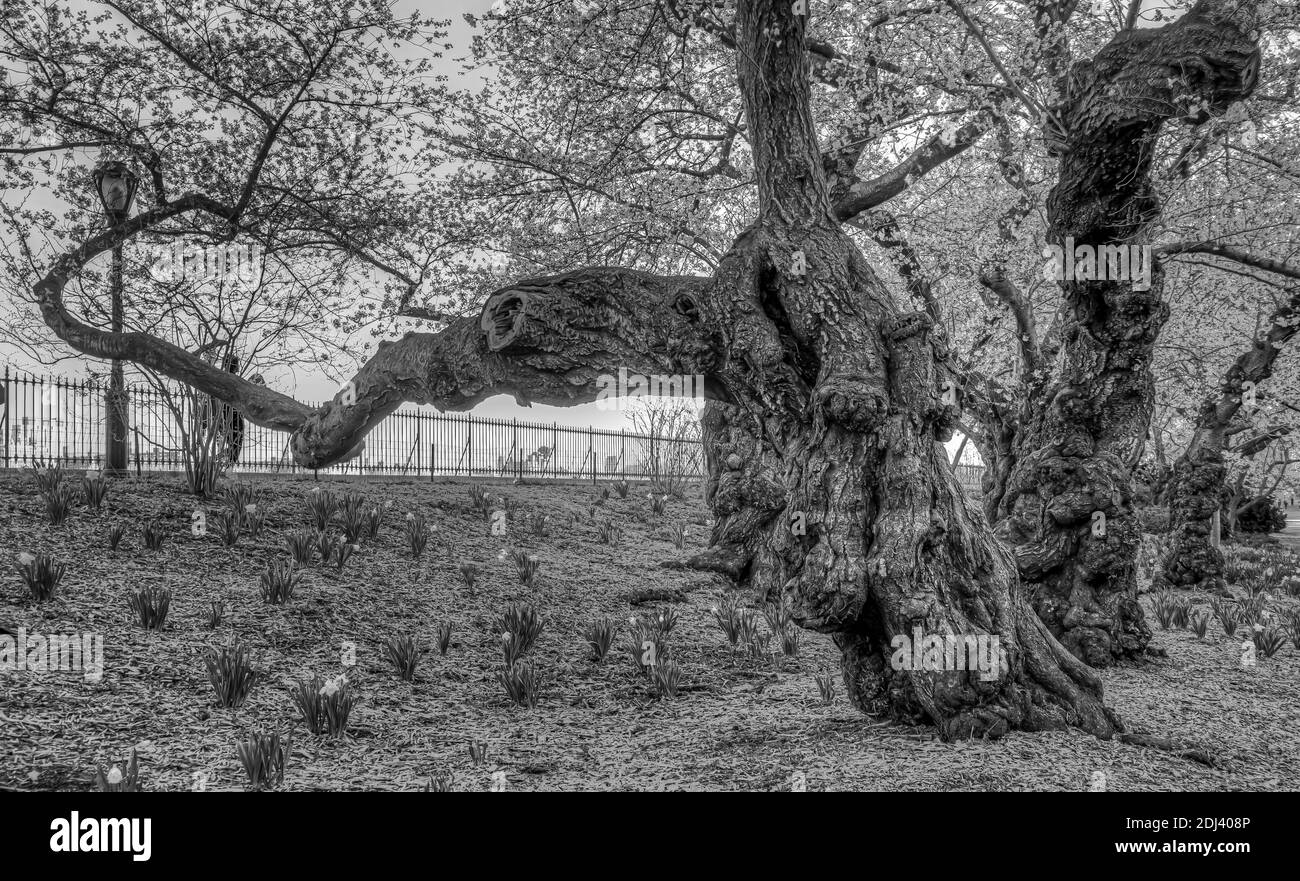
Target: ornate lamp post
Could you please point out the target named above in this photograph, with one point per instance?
(116, 185)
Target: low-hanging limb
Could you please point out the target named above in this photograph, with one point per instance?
(546, 340)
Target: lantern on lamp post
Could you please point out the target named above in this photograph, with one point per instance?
(116, 184)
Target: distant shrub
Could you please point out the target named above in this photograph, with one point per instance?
(1264, 517)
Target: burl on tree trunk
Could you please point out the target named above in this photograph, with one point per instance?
(830, 405)
(1069, 497)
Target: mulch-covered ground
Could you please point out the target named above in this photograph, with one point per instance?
(738, 723)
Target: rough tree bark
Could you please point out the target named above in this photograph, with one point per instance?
(1083, 429)
(1198, 483)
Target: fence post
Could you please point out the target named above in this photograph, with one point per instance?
(431, 450)
(514, 445)
(469, 444)
(622, 451)
(4, 424)
(591, 448)
(555, 451)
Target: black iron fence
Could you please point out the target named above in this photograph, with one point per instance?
(46, 419)
(52, 419)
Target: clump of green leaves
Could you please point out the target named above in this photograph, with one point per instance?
(826, 687)
(374, 519)
(151, 605)
(228, 528)
(153, 534)
(478, 498)
(610, 534)
(230, 670)
(278, 581)
(238, 497)
(1164, 605)
(1228, 614)
(115, 534)
(321, 505)
(343, 551)
(117, 781)
(536, 522)
(520, 625)
(416, 531)
(58, 504)
(354, 524)
(324, 547)
(521, 682)
(302, 546)
(40, 574)
(48, 477)
(730, 619)
(600, 636)
(263, 757)
(1200, 624)
(468, 573)
(444, 637)
(1268, 640)
(658, 504)
(526, 566)
(215, 613)
(403, 654)
(325, 705)
(666, 679)
(254, 520)
(94, 487)
(621, 488)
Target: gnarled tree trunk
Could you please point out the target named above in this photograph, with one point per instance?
(1198, 485)
(1069, 505)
